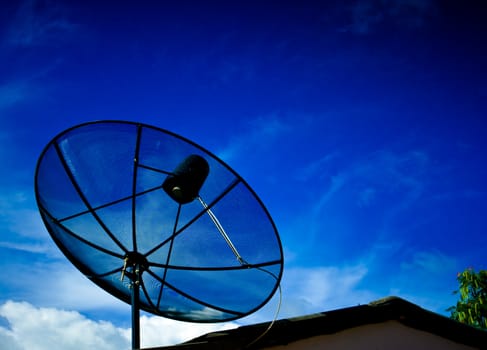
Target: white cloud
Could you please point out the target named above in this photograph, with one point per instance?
(158, 331)
(33, 328)
(310, 290)
(46, 328)
(61, 286)
(9, 340)
(305, 291)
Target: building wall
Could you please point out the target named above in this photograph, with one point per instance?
(382, 336)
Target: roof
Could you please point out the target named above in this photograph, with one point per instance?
(286, 331)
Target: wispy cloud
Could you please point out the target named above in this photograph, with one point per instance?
(19, 217)
(24, 86)
(426, 277)
(393, 180)
(337, 182)
(365, 17)
(392, 172)
(459, 194)
(308, 290)
(366, 196)
(26, 247)
(431, 262)
(37, 23)
(384, 186)
(233, 70)
(381, 186)
(12, 94)
(316, 167)
(261, 133)
(379, 171)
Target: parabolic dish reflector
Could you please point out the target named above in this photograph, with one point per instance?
(112, 195)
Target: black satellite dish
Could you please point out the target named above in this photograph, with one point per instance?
(158, 222)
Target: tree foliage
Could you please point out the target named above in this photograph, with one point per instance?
(471, 309)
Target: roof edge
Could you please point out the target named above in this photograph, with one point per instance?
(285, 331)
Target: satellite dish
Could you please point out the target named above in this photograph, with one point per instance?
(159, 222)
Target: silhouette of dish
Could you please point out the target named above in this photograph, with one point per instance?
(135, 206)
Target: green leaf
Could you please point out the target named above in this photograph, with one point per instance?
(471, 308)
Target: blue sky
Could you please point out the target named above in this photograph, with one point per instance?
(360, 124)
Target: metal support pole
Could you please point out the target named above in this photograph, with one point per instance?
(135, 299)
